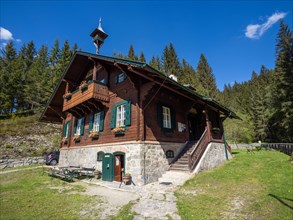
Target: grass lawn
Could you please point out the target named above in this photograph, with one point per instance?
(250, 186)
(28, 194)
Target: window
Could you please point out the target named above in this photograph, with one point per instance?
(66, 129)
(121, 114)
(120, 77)
(96, 122)
(100, 155)
(166, 117)
(78, 126)
(170, 154)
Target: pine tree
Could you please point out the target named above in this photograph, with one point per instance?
(156, 63)
(131, 53)
(282, 119)
(142, 58)
(8, 59)
(207, 78)
(54, 64)
(189, 76)
(170, 61)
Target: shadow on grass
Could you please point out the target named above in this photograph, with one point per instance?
(235, 152)
(281, 200)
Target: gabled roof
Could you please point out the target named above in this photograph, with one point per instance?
(82, 61)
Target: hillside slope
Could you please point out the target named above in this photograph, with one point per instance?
(25, 136)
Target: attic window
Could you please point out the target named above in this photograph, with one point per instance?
(120, 78)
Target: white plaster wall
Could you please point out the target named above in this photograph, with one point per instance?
(213, 156)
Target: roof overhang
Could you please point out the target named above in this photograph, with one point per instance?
(81, 62)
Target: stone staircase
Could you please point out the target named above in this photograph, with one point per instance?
(181, 164)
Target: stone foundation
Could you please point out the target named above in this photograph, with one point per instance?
(145, 161)
(213, 156)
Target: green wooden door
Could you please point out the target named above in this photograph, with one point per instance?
(107, 167)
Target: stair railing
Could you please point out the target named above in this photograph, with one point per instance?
(195, 155)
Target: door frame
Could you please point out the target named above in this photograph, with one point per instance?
(122, 165)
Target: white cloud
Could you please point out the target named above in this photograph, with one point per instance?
(255, 31)
(5, 34)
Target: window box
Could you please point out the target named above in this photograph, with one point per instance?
(83, 86)
(67, 96)
(216, 129)
(64, 140)
(119, 131)
(77, 139)
(94, 135)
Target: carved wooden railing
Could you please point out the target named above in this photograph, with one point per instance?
(197, 152)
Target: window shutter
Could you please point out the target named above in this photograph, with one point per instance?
(124, 76)
(82, 126)
(75, 126)
(173, 119)
(113, 118)
(160, 115)
(116, 79)
(91, 122)
(65, 128)
(101, 127)
(128, 113)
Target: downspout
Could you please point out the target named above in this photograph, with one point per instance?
(224, 137)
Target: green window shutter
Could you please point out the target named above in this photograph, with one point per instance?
(101, 127)
(113, 118)
(160, 115)
(124, 76)
(65, 128)
(173, 119)
(91, 122)
(75, 126)
(128, 113)
(82, 126)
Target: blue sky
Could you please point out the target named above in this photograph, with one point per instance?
(236, 37)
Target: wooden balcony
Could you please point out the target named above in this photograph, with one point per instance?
(86, 98)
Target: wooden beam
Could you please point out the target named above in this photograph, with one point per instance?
(85, 106)
(57, 111)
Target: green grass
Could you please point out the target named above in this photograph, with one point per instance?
(125, 213)
(250, 186)
(28, 194)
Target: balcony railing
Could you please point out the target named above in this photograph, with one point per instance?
(91, 90)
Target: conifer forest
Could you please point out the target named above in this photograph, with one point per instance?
(29, 75)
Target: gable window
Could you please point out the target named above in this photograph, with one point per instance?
(166, 117)
(96, 122)
(120, 77)
(66, 129)
(78, 126)
(121, 115)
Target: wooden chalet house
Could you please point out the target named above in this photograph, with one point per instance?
(122, 116)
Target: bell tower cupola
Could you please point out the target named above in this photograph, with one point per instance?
(98, 36)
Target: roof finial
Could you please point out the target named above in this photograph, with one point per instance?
(100, 25)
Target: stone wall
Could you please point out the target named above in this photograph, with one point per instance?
(145, 161)
(10, 163)
(213, 156)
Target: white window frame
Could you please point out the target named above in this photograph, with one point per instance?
(167, 117)
(120, 115)
(78, 126)
(121, 77)
(97, 121)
